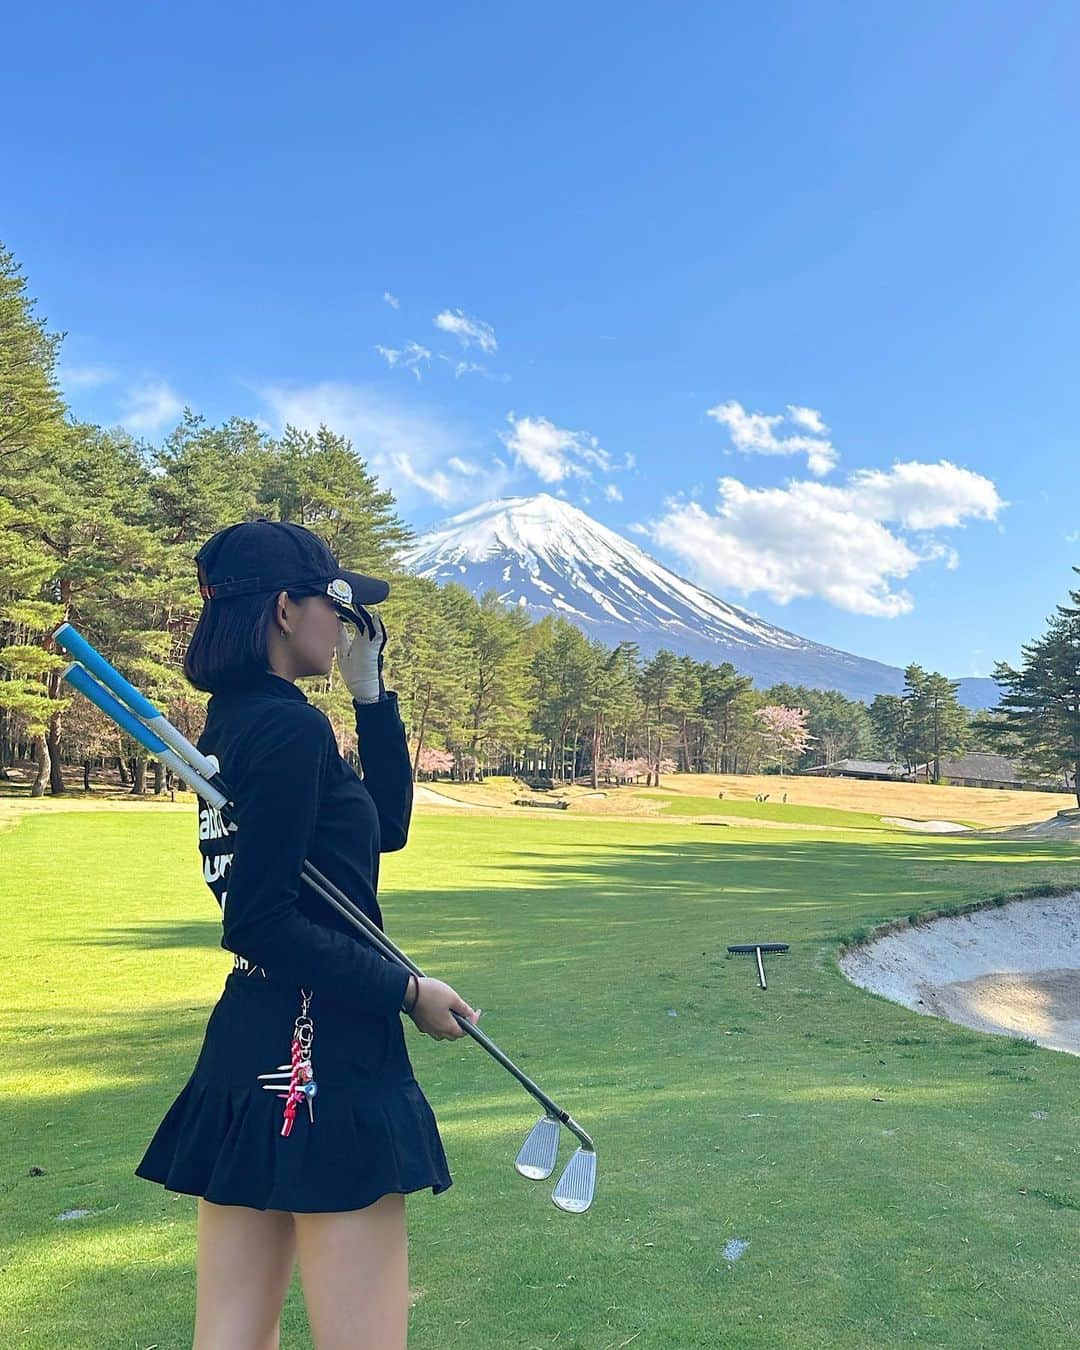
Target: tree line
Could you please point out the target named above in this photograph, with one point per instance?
(100, 529)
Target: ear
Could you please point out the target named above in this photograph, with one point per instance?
(280, 612)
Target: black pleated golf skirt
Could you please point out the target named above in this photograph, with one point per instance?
(373, 1133)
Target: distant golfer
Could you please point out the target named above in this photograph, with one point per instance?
(302, 1126)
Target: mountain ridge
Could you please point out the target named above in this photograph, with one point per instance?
(548, 556)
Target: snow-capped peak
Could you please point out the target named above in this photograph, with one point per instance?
(550, 557)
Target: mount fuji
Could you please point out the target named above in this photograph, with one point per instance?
(552, 558)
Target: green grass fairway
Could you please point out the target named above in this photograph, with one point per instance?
(678, 804)
(899, 1180)
(791, 813)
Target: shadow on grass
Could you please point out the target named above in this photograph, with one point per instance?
(603, 971)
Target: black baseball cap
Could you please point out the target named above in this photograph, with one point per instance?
(264, 556)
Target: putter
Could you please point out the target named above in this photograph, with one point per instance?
(745, 948)
(151, 728)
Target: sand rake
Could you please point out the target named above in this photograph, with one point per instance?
(92, 675)
(745, 948)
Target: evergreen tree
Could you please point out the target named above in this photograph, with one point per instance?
(1040, 706)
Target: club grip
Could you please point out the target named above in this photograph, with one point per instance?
(73, 642)
(85, 683)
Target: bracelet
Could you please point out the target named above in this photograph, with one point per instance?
(406, 1006)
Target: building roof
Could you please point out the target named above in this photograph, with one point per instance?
(979, 764)
(881, 766)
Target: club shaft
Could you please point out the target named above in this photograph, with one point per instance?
(341, 902)
(147, 724)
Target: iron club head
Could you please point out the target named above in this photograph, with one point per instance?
(537, 1156)
(574, 1189)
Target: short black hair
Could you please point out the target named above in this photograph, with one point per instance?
(229, 648)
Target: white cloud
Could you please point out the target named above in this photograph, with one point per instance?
(810, 539)
(925, 496)
(754, 433)
(552, 452)
(415, 453)
(809, 418)
(391, 300)
(408, 357)
(469, 332)
(85, 376)
(1073, 537)
(612, 493)
(148, 407)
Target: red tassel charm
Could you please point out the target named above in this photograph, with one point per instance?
(301, 1085)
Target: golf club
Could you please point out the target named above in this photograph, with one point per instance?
(148, 725)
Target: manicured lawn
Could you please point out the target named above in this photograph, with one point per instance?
(897, 1179)
(772, 810)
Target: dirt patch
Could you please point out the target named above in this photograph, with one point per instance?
(1012, 969)
(928, 826)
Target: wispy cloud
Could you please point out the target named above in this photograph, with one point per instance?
(149, 407)
(408, 357)
(612, 493)
(418, 454)
(391, 300)
(462, 367)
(849, 545)
(755, 433)
(468, 331)
(88, 376)
(552, 452)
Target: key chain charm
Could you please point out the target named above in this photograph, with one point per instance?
(301, 1086)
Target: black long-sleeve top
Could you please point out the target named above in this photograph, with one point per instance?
(296, 798)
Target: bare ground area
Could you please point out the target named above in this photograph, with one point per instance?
(921, 807)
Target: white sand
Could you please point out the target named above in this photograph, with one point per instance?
(421, 793)
(927, 826)
(1013, 969)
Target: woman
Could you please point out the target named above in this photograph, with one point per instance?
(318, 1175)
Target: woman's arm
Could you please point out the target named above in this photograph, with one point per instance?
(384, 754)
(277, 807)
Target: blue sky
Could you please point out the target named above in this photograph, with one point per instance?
(613, 234)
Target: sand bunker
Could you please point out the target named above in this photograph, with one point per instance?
(1013, 969)
(927, 826)
(1064, 826)
(425, 794)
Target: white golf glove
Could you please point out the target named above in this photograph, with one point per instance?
(360, 656)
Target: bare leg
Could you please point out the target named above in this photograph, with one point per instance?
(354, 1267)
(245, 1262)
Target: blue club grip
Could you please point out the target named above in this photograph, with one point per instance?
(77, 646)
(85, 683)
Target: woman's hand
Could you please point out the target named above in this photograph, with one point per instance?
(435, 1004)
(360, 655)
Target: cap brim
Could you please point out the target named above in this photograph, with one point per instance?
(366, 590)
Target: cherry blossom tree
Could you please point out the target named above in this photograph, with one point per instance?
(783, 733)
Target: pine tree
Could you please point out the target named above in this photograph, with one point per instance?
(1040, 708)
(32, 427)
